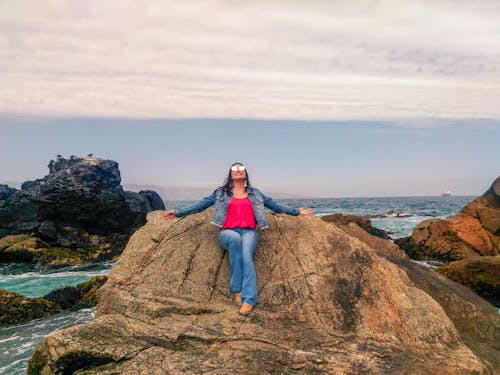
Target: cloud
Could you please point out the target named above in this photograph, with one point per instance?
(263, 59)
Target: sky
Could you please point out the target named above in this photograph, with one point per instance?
(322, 98)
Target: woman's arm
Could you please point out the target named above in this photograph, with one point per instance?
(284, 209)
(192, 208)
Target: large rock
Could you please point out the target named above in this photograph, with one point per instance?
(475, 319)
(79, 205)
(328, 303)
(474, 231)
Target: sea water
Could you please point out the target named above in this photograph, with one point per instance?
(17, 343)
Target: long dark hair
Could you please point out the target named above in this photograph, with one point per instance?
(228, 182)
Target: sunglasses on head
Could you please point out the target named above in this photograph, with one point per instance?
(235, 168)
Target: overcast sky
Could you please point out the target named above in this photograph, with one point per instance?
(403, 97)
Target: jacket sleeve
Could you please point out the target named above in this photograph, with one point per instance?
(196, 207)
(278, 207)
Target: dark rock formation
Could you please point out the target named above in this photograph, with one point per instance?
(474, 231)
(361, 221)
(77, 297)
(16, 308)
(66, 297)
(79, 205)
(328, 303)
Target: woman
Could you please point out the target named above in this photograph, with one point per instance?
(239, 207)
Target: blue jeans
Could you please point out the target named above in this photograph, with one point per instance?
(240, 244)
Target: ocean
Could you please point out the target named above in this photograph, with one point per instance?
(17, 343)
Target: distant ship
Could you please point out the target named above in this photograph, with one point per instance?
(446, 193)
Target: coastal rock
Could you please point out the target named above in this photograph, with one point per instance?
(16, 308)
(486, 209)
(26, 248)
(77, 297)
(80, 205)
(363, 222)
(474, 231)
(475, 319)
(328, 303)
(481, 274)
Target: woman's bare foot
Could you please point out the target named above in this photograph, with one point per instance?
(237, 298)
(246, 309)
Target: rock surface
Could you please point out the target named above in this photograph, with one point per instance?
(481, 274)
(474, 231)
(475, 319)
(328, 303)
(79, 205)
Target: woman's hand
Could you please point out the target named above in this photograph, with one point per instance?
(305, 211)
(169, 215)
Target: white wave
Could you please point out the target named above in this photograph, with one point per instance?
(39, 275)
(20, 341)
(9, 339)
(429, 264)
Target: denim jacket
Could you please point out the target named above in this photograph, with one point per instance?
(220, 198)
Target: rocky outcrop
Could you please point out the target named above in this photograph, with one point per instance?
(474, 231)
(80, 205)
(363, 222)
(458, 237)
(16, 308)
(470, 235)
(328, 303)
(26, 248)
(473, 317)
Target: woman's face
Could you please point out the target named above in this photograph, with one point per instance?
(238, 174)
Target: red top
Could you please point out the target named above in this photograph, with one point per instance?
(239, 214)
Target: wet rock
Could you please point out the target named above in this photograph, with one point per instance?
(66, 297)
(89, 290)
(481, 274)
(16, 308)
(79, 205)
(26, 248)
(77, 297)
(328, 303)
